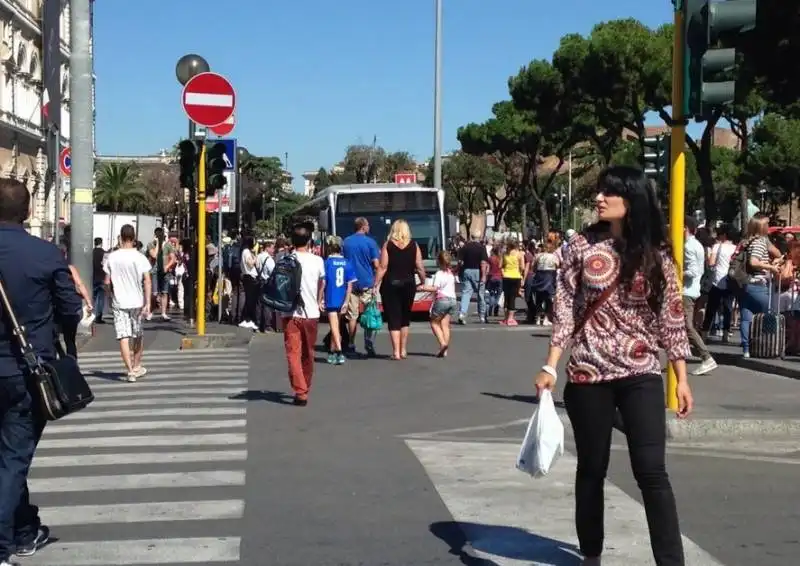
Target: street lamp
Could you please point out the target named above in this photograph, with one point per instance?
(241, 155)
(274, 217)
(190, 65)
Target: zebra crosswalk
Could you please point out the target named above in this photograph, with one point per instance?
(152, 472)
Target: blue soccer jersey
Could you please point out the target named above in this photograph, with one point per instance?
(338, 273)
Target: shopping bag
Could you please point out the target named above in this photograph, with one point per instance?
(85, 325)
(544, 439)
(371, 318)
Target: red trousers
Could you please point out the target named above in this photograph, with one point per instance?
(299, 339)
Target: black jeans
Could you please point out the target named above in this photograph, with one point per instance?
(251, 288)
(718, 298)
(591, 409)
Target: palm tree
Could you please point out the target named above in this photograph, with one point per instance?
(118, 188)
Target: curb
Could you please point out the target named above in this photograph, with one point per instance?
(763, 366)
(214, 341)
(733, 429)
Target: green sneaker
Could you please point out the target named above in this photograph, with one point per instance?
(340, 359)
(331, 358)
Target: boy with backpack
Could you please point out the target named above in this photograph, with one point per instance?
(338, 286)
(295, 291)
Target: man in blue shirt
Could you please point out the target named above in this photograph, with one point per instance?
(363, 254)
(339, 280)
(37, 281)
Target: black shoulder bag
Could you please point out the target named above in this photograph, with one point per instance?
(60, 386)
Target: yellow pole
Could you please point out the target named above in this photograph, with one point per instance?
(677, 177)
(201, 243)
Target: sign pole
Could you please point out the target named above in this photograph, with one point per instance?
(201, 243)
(677, 177)
(220, 281)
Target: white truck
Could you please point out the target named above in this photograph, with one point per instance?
(108, 224)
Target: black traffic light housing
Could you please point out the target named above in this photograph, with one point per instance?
(655, 160)
(706, 21)
(215, 167)
(188, 156)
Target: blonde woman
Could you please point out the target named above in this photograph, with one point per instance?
(400, 260)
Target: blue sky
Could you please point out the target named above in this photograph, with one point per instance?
(314, 76)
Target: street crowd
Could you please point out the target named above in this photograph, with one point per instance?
(611, 294)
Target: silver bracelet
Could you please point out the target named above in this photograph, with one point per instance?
(551, 370)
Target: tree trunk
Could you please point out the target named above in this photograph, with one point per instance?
(544, 218)
(706, 180)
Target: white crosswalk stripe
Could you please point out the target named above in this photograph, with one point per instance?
(152, 472)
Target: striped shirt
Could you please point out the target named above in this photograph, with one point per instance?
(758, 249)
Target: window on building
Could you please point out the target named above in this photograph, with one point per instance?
(22, 57)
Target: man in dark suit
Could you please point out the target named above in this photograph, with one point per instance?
(41, 291)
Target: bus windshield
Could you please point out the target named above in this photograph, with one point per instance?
(425, 227)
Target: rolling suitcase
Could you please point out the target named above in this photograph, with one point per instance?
(768, 333)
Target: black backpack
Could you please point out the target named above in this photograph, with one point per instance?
(739, 272)
(281, 292)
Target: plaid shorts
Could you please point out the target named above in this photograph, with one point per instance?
(128, 323)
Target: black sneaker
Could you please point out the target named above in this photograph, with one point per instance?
(298, 402)
(42, 538)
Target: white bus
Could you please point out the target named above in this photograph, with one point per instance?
(335, 209)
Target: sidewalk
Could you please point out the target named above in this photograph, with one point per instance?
(731, 355)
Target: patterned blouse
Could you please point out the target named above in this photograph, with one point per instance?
(623, 337)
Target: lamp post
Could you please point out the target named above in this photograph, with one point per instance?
(242, 155)
(275, 217)
(187, 67)
(437, 100)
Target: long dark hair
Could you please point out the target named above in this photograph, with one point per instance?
(644, 232)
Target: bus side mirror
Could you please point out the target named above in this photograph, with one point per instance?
(322, 221)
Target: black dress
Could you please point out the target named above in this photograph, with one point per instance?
(399, 285)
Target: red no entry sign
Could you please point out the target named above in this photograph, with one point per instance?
(208, 99)
(226, 127)
(65, 162)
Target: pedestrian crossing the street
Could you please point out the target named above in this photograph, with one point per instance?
(152, 472)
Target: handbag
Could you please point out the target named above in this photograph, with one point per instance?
(59, 385)
(371, 318)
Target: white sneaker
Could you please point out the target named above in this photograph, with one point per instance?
(707, 366)
(245, 324)
(7, 563)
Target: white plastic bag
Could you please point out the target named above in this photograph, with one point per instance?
(544, 439)
(85, 325)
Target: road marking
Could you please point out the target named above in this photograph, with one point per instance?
(514, 520)
(160, 401)
(96, 412)
(104, 376)
(150, 384)
(160, 367)
(133, 390)
(136, 458)
(176, 480)
(167, 440)
(186, 355)
(136, 552)
(157, 511)
(146, 425)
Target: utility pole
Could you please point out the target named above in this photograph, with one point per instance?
(81, 134)
(437, 100)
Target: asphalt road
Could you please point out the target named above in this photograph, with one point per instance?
(396, 463)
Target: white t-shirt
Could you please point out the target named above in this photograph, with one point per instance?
(724, 252)
(313, 271)
(264, 270)
(445, 283)
(247, 269)
(126, 267)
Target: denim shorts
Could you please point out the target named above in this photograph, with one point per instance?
(442, 307)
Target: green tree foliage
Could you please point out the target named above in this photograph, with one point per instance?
(466, 180)
(279, 214)
(322, 181)
(397, 162)
(118, 188)
(163, 194)
(774, 157)
(262, 179)
(364, 163)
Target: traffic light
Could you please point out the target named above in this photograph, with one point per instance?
(708, 24)
(656, 157)
(187, 160)
(215, 167)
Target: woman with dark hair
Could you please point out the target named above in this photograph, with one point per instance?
(617, 299)
(250, 283)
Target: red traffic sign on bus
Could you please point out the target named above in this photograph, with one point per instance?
(208, 99)
(405, 178)
(65, 161)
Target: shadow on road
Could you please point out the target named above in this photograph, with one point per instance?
(533, 399)
(277, 397)
(465, 539)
